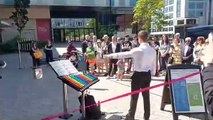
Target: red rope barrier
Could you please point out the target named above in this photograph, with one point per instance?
(126, 94)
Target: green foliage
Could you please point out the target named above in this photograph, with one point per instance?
(20, 15)
(102, 29)
(9, 46)
(148, 11)
(91, 23)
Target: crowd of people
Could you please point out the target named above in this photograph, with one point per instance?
(95, 49)
(169, 51)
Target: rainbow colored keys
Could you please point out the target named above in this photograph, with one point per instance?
(80, 82)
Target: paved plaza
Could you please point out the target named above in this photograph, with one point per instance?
(24, 98)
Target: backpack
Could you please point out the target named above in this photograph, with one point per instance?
(93, 112)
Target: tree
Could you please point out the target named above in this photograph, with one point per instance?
(20, 19)
(148, 11)
(102, 29)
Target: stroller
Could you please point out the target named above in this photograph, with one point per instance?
(74, 58)
(72, 54)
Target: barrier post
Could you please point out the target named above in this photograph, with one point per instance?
(83, 105)
(166, 94)
(65, 103)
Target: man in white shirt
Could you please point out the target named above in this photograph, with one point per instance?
(144, 59)
(207, 75)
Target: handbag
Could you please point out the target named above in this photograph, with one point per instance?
(38, 55)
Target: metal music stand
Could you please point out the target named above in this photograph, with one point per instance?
(57, 67)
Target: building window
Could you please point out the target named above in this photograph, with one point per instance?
(178, 8)
(200, 5)
(85, 2)
(196, 8)
(171, 9)
(191, 5)
(132, 2)
(199, 13)
(165, 29)
(195, 13)
(166, 10)
(170, 23)
(180, 22)
(170, 28)
(191, 21)
(166, 2)
(171, 2)
(170, 15)
(121, 2)
(191, 13)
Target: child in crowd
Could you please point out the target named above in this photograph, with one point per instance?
(121, 69)
(90, 53)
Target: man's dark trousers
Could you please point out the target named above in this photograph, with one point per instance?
(112, 68)
(140, 80)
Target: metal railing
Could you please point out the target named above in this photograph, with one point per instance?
(26, 45)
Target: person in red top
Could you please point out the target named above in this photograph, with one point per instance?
(70, 50)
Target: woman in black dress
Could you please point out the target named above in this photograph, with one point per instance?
(49, 52)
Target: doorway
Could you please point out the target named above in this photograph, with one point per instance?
(72, 34)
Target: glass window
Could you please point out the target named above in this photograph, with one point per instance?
(200, 5)
(171, 23)
(191, 13)
(170, 28)
(166, 10)
(191, 21)
(191, 5)
(171, 9)
(165, 29)
(132, 2)
(171, 2)
(195, 0)
(121, 2)
(179, 22)
(199, 13)
(166, 2)
(170, 15)
(178, 8)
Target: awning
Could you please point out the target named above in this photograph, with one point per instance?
(4, 24)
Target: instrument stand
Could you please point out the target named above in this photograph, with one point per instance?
(83, 109)
(65, 103)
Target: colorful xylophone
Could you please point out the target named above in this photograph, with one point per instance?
(81, 81)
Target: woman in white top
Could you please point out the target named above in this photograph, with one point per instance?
(198, 50)
(104, 46)
(99, 57)
(164, 52)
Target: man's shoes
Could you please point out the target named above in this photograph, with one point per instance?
(128, 117)
(115, 76)
(105, 74)
(108, 77)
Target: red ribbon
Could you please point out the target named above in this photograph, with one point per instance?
(127, 94)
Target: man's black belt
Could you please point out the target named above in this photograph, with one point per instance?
(142, 71)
